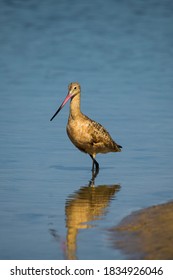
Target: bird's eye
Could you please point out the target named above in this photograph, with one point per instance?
(75, 87)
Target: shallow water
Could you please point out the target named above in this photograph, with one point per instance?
(121, 52)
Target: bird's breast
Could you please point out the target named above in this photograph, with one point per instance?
(78, 132)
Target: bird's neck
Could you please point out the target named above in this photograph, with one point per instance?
(75, 107)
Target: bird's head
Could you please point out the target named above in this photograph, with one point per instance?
(73, 90)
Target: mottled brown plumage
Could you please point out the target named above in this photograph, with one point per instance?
(87, 135)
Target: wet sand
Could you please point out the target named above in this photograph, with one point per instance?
(146, 234)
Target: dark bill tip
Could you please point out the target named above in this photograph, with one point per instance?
(56, 113)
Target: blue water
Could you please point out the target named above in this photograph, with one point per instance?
(121, 52)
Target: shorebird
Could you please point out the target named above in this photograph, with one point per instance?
(87, 135)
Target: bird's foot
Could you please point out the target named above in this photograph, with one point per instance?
(92, 181)
(95, 172)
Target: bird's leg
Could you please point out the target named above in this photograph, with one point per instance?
(92, 164)
(96, 165)
(95, 171)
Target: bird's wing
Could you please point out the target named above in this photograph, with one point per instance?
(97, 132)
(99, 135)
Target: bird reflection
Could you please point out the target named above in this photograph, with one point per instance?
(86, 205)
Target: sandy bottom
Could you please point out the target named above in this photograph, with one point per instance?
(146, 234)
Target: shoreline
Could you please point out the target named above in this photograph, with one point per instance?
(146, 234)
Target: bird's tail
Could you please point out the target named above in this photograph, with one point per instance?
(118, 148)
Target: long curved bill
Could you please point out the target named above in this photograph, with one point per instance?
(62, 105)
